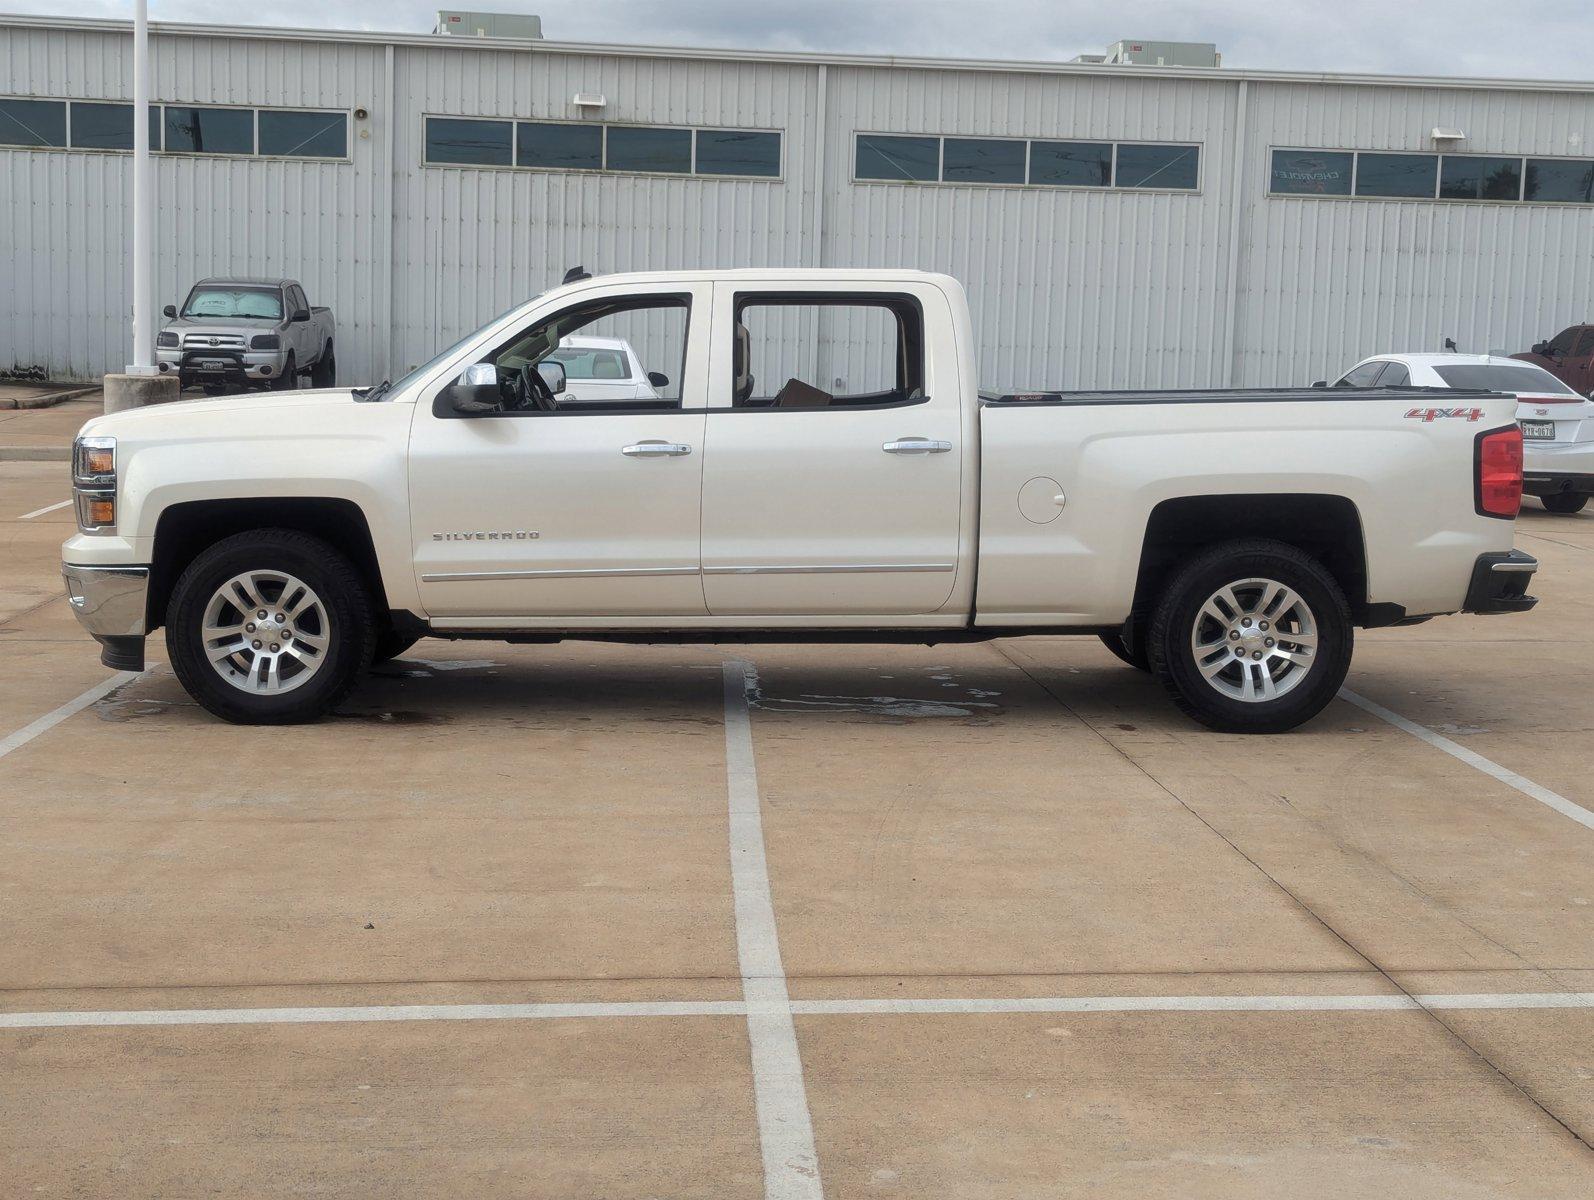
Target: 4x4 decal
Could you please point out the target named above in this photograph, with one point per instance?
(1439, 414)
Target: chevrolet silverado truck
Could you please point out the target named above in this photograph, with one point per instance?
(828, 472)
(240, 333)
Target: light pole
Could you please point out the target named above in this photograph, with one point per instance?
(141, 383)
(143, 361)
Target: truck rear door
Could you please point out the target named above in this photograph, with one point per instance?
(833, 452)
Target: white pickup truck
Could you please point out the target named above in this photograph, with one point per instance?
(826, 471)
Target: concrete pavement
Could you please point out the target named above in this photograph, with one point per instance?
(1026, 822)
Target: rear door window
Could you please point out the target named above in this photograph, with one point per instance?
(818, 351)
(1395, 375)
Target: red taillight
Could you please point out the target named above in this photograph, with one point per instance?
(1498, 460)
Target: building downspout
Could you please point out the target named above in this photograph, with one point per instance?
(1237, 225)
(389, 367)
(816, 228)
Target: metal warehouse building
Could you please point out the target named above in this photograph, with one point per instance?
(1117, 226)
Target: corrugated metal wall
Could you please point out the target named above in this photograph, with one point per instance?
(1070, 288)
(1324, 282)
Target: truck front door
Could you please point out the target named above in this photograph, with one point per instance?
(561, 508)
(832, 473)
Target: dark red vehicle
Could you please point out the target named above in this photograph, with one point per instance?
(1569, 356)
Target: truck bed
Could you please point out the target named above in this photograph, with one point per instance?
(1228, 396)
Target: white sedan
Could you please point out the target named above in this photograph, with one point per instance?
(604, 370)
(1557, 423)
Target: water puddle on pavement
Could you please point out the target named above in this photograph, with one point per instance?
(969, 701)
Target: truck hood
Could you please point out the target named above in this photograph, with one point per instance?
(188, 325)
(247, 411)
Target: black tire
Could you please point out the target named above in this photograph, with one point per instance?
(349, 634)
(1179, 608)
(325, 372)
(1565, 503)
(289, 379)
(1133, 653)
(390, 644)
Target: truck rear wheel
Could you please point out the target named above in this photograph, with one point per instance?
(1251, 636)
(1564, 502)
(269, 627)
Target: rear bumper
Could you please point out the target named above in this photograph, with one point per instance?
(110, 603)
(1552, 467)
(1553, 483)
(1500, 583)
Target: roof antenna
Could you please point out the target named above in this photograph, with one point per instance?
(1450, 343)
(575, 274)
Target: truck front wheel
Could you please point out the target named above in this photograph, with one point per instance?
(1251, 636)
(325, 372)
(269, 627)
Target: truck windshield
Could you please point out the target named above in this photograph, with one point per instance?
(1498, 377)
(254, 304)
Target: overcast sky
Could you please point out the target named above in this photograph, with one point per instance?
(1536, 39)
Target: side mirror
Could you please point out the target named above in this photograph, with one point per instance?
(170, 310)
(301, 314)
(476, 391)
(1539, 348)
(553, 374)
(1319, 383)
(658, 379)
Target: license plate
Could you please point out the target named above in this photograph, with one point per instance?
(1538, 429)
(212, 364)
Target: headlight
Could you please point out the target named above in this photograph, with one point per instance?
(264, 341)
(94, 483)
(94, 461)
(168, 339)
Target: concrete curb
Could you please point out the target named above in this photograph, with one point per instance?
(35, 453)
(48, 400)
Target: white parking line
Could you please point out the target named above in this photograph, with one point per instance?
(785, 1127)
(1475, 760)
(50, 720)
(365, 1013)
(39, 512)
(899, 1006)
(1396, 1002)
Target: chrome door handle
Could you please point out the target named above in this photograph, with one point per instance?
(916, 445)
(655, 449)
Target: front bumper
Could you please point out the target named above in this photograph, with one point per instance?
(198, 365)
(1500, 583)
(111, 603)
